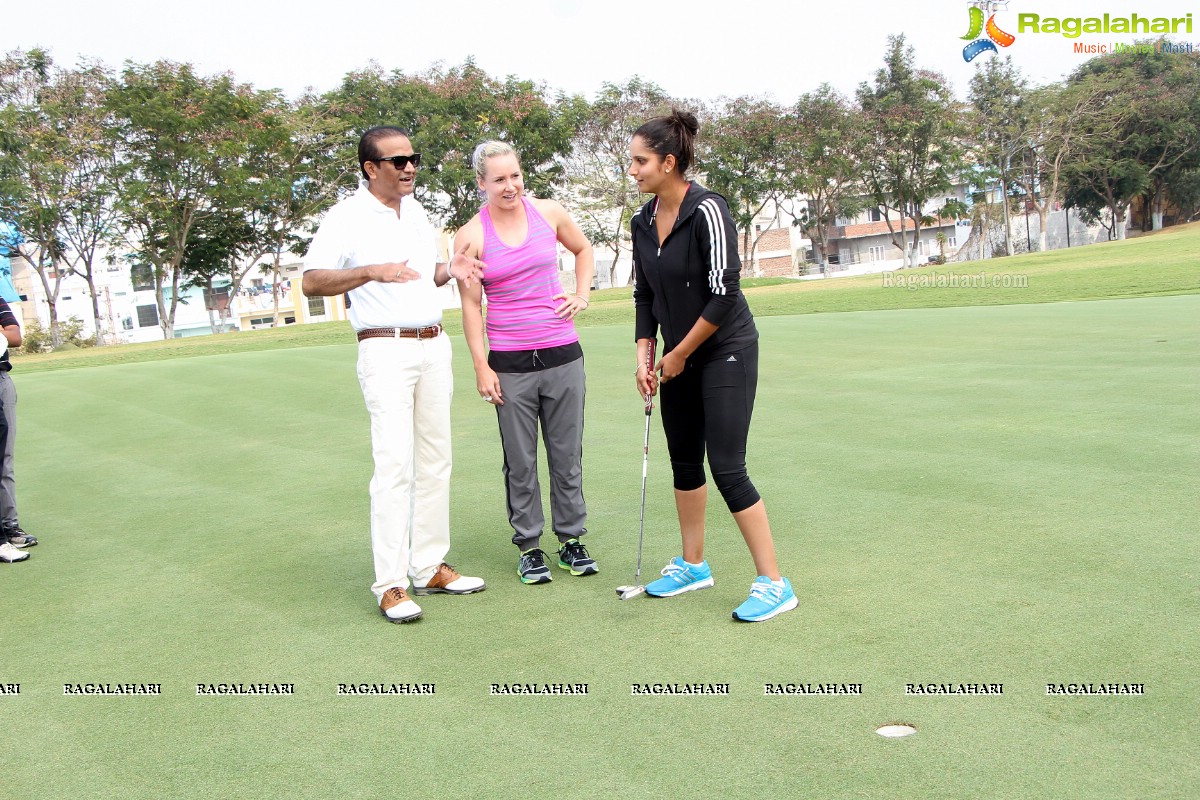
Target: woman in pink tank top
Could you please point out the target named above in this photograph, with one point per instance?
(531, 367)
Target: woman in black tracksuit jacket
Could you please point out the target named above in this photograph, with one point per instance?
(686, 285)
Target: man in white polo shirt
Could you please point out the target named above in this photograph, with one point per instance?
(379, 246)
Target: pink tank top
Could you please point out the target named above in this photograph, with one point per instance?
(520, 283)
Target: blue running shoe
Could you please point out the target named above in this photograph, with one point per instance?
(766, 600)
(679, 577)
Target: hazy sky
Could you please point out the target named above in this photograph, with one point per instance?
(692, 49)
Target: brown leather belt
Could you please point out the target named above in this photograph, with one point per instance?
(428, 332)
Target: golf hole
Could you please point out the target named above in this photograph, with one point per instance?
(896, 730)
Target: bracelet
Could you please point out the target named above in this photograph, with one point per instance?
(586, 304)
(640, 367)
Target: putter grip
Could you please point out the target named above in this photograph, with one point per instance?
(650, 370)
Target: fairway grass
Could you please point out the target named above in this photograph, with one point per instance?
(1159, 264)
(981, 494)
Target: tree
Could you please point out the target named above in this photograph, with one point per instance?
(34, 168)
(450, 111)
(915, 155)
(60, 170)
(829, 140)
(1154, 98)
(89, 218)
(292, 174)
(745, 156)
(307, 175)
(1061, 121)
(1000, 122)
(218, 240)
(1184, 194)
(596, 186)
(189, 149)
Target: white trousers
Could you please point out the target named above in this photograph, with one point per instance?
(407, 385)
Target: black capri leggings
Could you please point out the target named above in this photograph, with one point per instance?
(708, 406)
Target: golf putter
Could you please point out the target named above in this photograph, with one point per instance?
(628, 592)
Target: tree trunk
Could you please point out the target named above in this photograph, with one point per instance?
(1008, 251)
(612, 270)
(169, 321)
(1156, 210)
(51, 297)
(819, 251)
(213, 320)
(276, 257)
(1043, 215)
(915, 256)
(746, 251)
(910, 253)
(91, 284)
(160, 302)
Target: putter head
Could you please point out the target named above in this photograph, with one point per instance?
(628, 592)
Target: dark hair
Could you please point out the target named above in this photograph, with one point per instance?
(673, 134)
(367, 149)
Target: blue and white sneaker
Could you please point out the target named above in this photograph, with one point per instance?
(766, 600)
(679, 577)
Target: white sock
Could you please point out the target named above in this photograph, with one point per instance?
(690, 564)
(778, 583)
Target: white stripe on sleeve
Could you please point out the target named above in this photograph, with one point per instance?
(716, 237)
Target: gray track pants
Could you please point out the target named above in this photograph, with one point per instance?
(8, 484)
(555, 398)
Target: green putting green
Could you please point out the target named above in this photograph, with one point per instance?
(963, 497)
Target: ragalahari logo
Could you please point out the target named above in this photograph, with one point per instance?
(979, 11)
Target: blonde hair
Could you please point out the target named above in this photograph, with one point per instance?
(487, 150)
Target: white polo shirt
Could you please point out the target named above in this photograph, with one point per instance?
(359, 231)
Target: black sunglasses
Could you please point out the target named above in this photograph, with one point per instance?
(400, 162)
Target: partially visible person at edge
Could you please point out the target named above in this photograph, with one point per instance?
(12, 539)
(534, 369)
(378, 245)
(686, 272)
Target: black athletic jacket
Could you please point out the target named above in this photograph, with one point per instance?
(695, 273)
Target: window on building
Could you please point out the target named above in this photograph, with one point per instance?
(874, 215)
(316, 306)
(875, 253)
(289, 320)
(142, 276)
(147, 316)
(217, 298)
